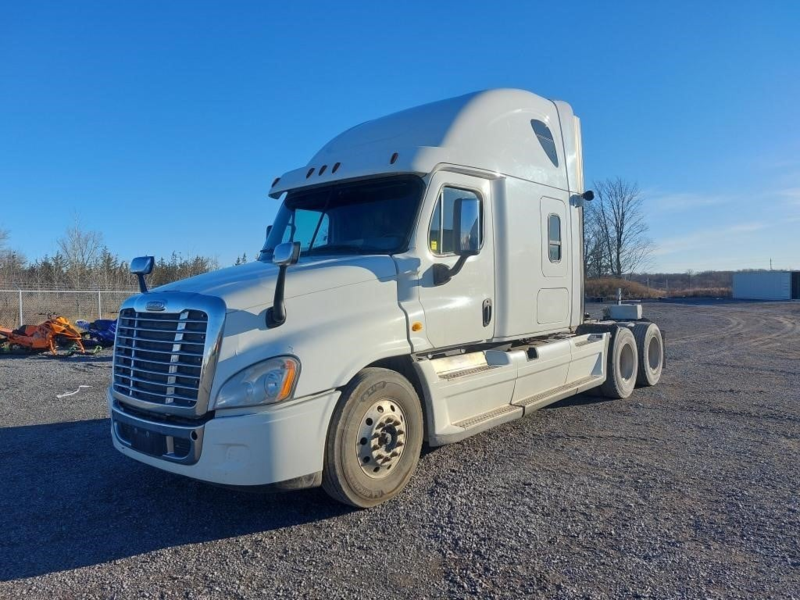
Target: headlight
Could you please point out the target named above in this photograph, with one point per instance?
(266, 382)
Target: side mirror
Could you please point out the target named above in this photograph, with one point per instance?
(141, 266)
(467, 236)
(286, 254)
(283, 255)
(588, 195)
(467, 226)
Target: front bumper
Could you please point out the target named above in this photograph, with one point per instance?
(281, 443)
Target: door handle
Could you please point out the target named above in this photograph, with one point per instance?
(487, 311)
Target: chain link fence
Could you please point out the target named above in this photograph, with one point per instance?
(20, 306)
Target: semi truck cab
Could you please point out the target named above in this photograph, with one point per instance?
(422, 282)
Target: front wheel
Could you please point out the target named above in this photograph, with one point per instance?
(374, 439)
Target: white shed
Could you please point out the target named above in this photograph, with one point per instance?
(766, 285)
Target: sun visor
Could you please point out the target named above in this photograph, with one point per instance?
(288, 181)
(373, 162)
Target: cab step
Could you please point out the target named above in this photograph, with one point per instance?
(489, 419)
(466, 372)
(471, 392)
(531, 403)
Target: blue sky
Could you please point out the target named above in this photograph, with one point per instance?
(162, 124)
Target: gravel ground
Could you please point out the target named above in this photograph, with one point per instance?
(688, 489)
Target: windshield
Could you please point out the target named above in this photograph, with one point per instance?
(366, 217)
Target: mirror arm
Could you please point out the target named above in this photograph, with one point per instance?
(442, 273)
(142, 283)
(276, 314)
(459, 265)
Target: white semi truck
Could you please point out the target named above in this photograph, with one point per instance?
(422, 281)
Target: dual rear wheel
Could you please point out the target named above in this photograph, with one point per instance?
(635, 358)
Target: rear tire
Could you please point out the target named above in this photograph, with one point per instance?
(650, 347)
(622, 365)
(374, 439)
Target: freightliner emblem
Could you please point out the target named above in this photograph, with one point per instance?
(156, 305)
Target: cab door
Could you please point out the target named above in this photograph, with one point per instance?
(460, 311)
(554, 300)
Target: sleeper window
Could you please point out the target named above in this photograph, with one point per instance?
(554, 237)
(545, 137)
(440, 236)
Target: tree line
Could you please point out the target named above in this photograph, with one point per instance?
(83, 261)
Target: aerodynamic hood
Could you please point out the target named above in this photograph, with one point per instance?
(253, 284)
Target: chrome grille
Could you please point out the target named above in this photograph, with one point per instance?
(158, 357)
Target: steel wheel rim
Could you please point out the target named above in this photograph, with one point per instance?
(654, 353)
(381, 438)
(627, 362)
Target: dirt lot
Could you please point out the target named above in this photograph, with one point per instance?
(689, 489)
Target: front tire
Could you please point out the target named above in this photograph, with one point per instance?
(374, 439)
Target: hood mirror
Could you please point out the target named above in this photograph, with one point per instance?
(283, 256)
(286, 254)
(141, 266)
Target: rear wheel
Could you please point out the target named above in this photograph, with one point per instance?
(622, 365)
(374, 439)
(650, 347)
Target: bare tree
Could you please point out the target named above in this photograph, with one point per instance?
(689, 274)
(595, 259)
(614, 224)
(82, 250)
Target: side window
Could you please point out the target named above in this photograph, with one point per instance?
(440, 236)
(554, 237)
(435, 234)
